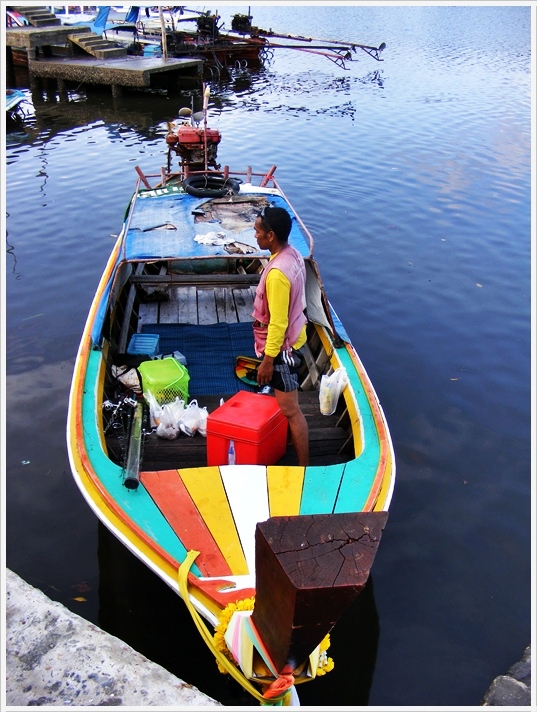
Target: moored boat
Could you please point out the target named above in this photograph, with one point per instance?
(14, 100)
(188, 464)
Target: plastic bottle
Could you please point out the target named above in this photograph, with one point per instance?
(231, 453)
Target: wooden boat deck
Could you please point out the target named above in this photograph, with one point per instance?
(194, 304)
(328, 442)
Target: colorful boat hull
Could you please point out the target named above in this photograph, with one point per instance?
(215, 511)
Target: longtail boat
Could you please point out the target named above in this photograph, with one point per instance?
(14, 99)
(267, 555)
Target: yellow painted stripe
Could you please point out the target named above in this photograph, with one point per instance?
(204, 485)
(285, 490)
(386, 486)
(100, 389)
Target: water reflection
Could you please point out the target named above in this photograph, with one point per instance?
(10, 250)
(247, 88)
(304, 93)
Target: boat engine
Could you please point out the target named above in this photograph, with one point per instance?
(190, 144)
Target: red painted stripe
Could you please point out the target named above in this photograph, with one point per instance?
(172, 498)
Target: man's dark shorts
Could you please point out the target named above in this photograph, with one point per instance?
(286, 368)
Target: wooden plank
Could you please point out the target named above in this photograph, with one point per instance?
(147, 314)
(125, 326)
(321, 486)
(169, 310)
(246, 490)
(244, 304)
(317, 565)
(357, 481)
(182, 307)
(313, 376)
(225, 306)
(285, 489)
(207, 307)
(206, 489)
(325, 442)
(172, 498)
(322, 362)
(199, 279)
(188, 305)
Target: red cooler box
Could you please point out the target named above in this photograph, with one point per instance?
(256, 425)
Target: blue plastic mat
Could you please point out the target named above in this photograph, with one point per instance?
(210, 351)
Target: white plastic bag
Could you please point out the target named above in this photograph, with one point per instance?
(190, 420)
(155, 410)
(202, 427)
(167, 428)
(330, 390)
(177, 407)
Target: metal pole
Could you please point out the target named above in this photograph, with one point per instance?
(206, 93)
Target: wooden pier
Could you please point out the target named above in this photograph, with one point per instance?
(130, 72)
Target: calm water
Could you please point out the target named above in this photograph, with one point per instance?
(414, 176)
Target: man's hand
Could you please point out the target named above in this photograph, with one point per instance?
(265, 370)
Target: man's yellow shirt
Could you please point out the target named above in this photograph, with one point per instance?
(278, 289)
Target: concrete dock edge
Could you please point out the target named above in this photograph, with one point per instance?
(56, 658)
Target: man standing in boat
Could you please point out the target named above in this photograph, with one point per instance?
(280, 321)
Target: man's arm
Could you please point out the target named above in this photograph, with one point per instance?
(278, 290)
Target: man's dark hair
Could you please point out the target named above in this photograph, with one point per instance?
(279, 221)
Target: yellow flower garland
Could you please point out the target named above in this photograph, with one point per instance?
(325, 663)
(247, 604)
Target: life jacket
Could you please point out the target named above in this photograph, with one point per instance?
(291, 263)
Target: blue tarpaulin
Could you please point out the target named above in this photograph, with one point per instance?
(163, 226)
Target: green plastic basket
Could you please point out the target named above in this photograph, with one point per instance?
(166, 379)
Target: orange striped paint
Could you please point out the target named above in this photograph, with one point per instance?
(172, 498)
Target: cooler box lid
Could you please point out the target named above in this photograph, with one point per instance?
(245, 416)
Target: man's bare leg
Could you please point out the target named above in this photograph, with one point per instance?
(298, 426)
